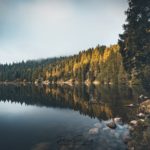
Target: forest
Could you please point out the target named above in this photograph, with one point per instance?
(100, 64)
(24, 71)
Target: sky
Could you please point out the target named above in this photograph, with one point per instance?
(34, 29)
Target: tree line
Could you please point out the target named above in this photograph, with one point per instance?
(102, 64)
(24, 71)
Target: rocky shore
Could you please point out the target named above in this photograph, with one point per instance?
(140, 127)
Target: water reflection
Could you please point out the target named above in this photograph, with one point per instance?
(64, 117)
(94, 101)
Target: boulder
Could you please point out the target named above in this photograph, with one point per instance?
(112, 125)
(145, 106)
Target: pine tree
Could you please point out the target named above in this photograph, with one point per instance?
(135, 41)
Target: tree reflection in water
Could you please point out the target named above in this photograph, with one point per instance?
(102, 102)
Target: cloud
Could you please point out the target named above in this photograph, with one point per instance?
(47, 28)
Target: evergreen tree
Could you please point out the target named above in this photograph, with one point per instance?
(135, 41)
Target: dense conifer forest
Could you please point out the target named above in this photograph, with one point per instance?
(100, 64)
(24, 71)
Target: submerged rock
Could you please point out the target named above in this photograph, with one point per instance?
(120, 126)
(112, 125)
(98, 125)
(116, 134)
(106, 129)
(93, 131)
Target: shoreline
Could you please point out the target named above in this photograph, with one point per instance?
(60, 82)
(140, 125)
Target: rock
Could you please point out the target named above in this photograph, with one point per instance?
(134, 122)
(130, 105)
(145, 106)
(141, 115)
(142, 97)
(112, 125)
(93, 131)
(145, 97)
(142, 120)
(118, 120)
(98, 125)
(147, 102)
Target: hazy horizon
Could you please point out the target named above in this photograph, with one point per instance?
(35, 29)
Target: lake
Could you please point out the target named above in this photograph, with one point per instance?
(64, 117)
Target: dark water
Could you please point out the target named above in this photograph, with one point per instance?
(64, 117)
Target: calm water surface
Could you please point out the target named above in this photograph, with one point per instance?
(64, 117)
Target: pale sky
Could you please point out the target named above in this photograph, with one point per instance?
(33, 29)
